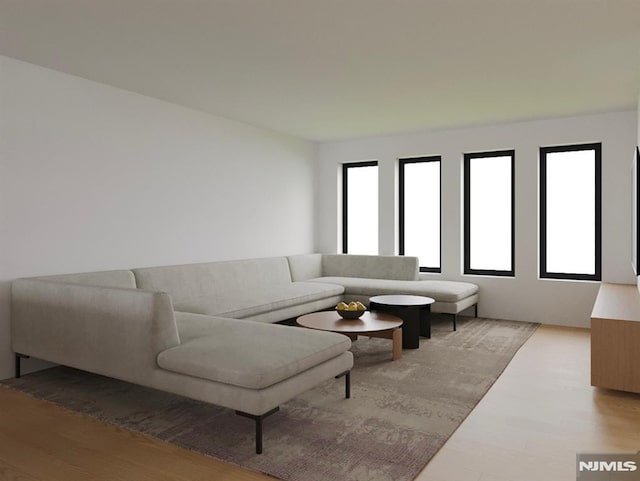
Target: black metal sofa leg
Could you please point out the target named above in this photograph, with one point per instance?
(18, 358)
(455, 316)
(347, 383)
(258, 420)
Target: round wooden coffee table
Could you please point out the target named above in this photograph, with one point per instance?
(415, 311)
(372, 324)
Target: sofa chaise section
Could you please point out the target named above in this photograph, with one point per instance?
(451, 297)
(254, 367)
(364, 276)
(250, 355)
(132, 334)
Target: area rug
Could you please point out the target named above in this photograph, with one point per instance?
(399, 415)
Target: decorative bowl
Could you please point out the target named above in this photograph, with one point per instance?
(351, 314)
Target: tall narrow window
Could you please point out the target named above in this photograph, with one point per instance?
(419, 214)
(489, 213)
(570, 207)
(360, 208)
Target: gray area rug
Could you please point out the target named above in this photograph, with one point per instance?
(399, 415)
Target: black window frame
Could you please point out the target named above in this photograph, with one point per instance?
(401, 203)
(345, 195)
(468, 157)
(544, 274)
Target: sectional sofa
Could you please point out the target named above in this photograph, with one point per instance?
(208, 331)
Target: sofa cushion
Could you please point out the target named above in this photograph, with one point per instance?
(441, 291)
(305, 266)
(214, 278)
(245, 303)
(252, 355)
(370, 267)
(191, 326)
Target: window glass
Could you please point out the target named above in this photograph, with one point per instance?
(569, 216)
(489, 229)
(360, 208)
(420, 211)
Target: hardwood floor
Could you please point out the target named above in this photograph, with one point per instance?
(529, 426)
(39, 441)
(538, 415)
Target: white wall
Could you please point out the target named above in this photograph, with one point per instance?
(524, 297)
(93, 177)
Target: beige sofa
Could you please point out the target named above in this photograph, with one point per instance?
(206, 331)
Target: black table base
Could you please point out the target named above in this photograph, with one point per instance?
(416, 322)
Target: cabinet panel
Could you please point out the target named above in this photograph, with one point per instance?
(615, 338)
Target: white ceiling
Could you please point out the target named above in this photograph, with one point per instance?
(333, 69)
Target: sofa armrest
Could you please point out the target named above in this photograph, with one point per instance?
(117, 332)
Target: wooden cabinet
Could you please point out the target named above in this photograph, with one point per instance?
(615, 338)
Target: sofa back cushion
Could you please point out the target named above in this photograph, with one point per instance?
(214, 278)
(120, 278)
(305, 266)
(402, 268)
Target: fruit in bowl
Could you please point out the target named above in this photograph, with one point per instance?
(353, 310)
